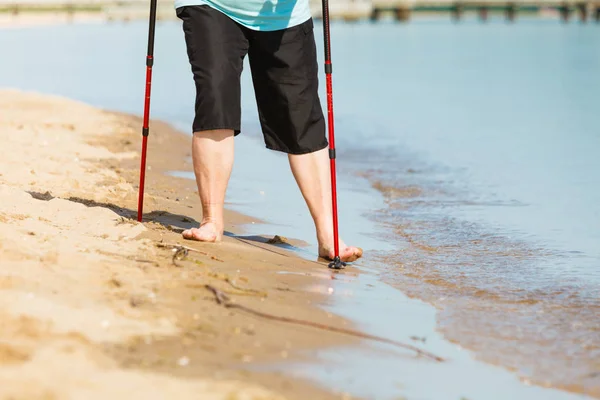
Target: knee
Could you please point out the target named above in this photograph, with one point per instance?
(214, 134)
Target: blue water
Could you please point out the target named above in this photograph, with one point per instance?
(485, 142)
(476, 148)
(510, 111)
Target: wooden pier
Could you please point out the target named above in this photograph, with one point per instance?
(458, 9)
(350, 10)
(109, 10)
(404, 10)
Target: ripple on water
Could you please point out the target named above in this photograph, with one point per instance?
(515, 303)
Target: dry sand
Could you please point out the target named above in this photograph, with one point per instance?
(91, 307)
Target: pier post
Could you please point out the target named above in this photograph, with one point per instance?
(583, 11)
(374, 15)
(483, 13)
(457, 11)
(565, 12)
(402, 14)
(511, 12)
(70, 12)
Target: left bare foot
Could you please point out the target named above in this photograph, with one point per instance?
(207, 232)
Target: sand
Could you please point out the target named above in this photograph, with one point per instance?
(92, 307)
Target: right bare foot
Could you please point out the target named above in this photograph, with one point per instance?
(207, 232)
(347, 253)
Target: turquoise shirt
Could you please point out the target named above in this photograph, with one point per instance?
(260, 15)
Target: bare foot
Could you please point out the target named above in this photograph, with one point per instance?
(207, 232)
(347, 253)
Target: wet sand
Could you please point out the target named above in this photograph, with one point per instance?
(92, 307)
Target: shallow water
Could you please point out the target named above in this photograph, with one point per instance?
(477, 190)
(485, 145)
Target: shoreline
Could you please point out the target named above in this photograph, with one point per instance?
(99, 293)
(402, 308)
(86, 285)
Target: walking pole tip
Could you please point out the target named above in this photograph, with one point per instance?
(337, 263)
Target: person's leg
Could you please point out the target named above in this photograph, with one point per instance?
(312, 173)
(284, 72)
(212, 153)
(216, 48)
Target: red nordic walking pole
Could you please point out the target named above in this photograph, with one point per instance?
(337, 262)
(145, 128)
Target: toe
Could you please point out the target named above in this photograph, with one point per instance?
(199, 234)
(351, 254)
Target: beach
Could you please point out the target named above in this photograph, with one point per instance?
(467, 170)
(92, 307)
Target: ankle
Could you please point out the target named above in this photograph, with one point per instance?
(324, 231)
(212, 213)
(210, 220)
(325, 239)
(213, 222)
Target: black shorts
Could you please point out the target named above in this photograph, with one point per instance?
(284, 73)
